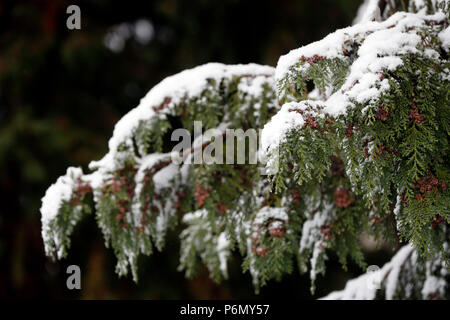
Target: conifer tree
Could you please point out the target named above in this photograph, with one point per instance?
(355, 139)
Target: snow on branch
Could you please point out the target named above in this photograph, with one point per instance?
(161, 101)
(361, 84)
(359, 146)
(401, 278)
(349, 67)
(137, 188)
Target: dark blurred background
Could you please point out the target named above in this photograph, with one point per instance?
(62, 91)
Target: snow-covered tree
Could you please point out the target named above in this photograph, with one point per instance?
(355, 140)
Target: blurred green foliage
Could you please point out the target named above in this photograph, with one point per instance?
(62, 91)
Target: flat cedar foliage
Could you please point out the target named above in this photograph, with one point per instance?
(355, 140)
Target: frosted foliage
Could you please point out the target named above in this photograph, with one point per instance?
(59, 192)
(56, 196)
(363, 83)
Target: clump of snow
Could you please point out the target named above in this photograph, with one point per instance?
(444, 36)
(316, 268)
(223, 249)
(312, 240)
(275, 130)
(255, 87)
(55, 197)
(163, 177)
(192, 216)
(267, 213)
(311, 228)
(254, 272)
(58, 193)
